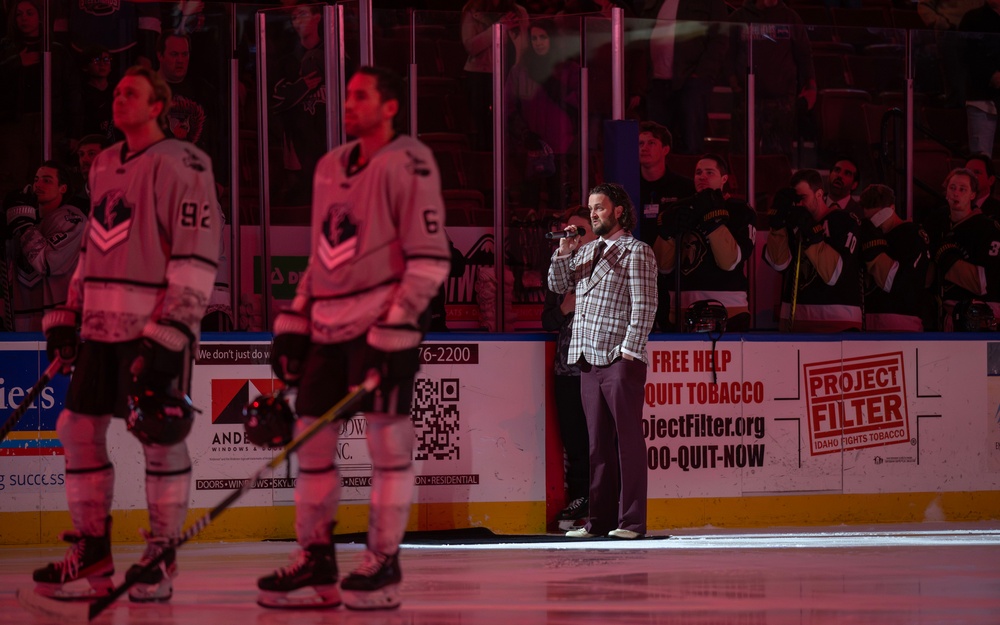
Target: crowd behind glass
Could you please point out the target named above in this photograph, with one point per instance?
(830, 96)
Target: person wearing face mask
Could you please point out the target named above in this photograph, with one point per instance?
(896, 259)
(966, 260)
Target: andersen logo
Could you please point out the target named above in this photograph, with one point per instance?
(230, 396)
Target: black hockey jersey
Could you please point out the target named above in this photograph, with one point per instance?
(978, 237)
(822, 304)
(897, 305)
(702, 277)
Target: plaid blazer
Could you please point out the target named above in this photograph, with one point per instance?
(615, 305)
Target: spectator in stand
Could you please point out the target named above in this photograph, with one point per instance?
(87, 149)
(300, 98)
(896, 258)
(982, 56)
(840, 186)
(21, 106)
(658, 185)
(194, 108)
(127, 29)
(45, 242)
(982, 166)
(717, 235)
(185, 16)
(814, 246)
(477, 20)
(944, 16)
(966, 259)
(93, 109)
(557, 316)
(542, 95)
(783, 65)
(685, 66)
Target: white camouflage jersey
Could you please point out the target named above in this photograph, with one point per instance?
(151, 248)
(44, 259)
(378, 239)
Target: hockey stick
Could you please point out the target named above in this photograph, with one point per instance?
(30, 398)
(795, 286)
(82, 612)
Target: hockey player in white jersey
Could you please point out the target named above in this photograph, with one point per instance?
(378, 256)
(146, 269)
(45, 244)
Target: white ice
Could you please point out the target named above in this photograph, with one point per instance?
(884, 575)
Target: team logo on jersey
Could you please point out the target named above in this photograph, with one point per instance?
(27, 275)
(110, 221)
(693, 250)
(192, 161)
(417, 166)
(100, 7)
(340, 241)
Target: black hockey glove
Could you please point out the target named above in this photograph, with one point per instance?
(392, 351)
(677, 218)
(61, 338)
(781, 206)
(802, 225)
(873, 241)
(161, 356)
(290, 346)
(712, 211)
(947, 254)
(21, 212)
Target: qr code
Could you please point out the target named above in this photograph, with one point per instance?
(435, 416)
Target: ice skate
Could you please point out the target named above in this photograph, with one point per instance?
(314, 572)
(574, 515)
(157, 584)
(375, 584)
(88, 561)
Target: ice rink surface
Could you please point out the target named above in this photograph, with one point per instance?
(873, 575)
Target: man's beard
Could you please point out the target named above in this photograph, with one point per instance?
(602, 227)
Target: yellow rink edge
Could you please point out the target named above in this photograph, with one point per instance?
(277, 522)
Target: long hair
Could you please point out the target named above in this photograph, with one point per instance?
(13, 34)
(619, 197)
(540, 67)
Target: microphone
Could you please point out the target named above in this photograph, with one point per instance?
(562, 234)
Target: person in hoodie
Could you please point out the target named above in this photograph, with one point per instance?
(782, 63)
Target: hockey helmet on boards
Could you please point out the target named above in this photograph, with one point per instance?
(160, 418)
(268, 420)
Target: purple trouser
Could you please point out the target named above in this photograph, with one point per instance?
(612, 401)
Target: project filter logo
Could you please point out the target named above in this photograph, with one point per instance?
(856, 403)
